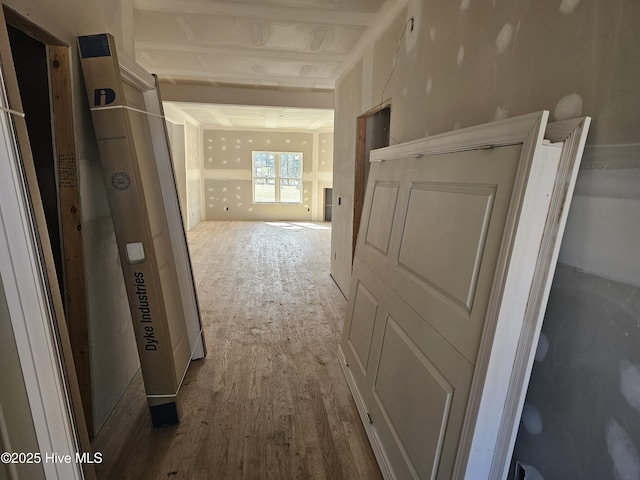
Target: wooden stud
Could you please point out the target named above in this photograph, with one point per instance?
(74, 297)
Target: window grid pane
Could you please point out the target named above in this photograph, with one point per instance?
(277, 177)
(291, 165)
(264, 165)
(290, 190)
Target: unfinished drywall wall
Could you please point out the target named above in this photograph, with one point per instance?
(582, 414)
(348, 107)
(469, 62)
(177, 144)
(325, 154)
(227, 176)
(582, 411)
(189, 155)
(114, 358)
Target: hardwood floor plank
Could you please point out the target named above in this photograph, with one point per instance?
(270, 400)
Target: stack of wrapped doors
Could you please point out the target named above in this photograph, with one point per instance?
(132, 140)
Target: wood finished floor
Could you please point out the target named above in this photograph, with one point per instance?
(270, 400)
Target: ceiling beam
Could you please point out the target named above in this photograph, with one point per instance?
(244, 78)
(278, 13)
(246, 96)
(249, 79)
(260, 53)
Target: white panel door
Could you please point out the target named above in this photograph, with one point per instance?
(445, 263)
(432, 234)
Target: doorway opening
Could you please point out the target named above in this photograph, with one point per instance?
(43, 74)
(328, 204)
(372, 132)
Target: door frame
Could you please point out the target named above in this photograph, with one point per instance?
(37, 329)
(73, 288)
(360, 181)
(326, 204)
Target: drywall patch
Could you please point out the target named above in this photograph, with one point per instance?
(433, 32)
(504, 38)
(532, 420)
(429, 85)
(464, 5)
(531, 473)
(405, 91)
(413, 24)
(630, 383)
(457, 125)
(543, 348)
(460, 57)
(568, 6)
(500, 114)
(569, 106)
(623, 453)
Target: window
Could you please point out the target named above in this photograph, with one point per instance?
(277, 177)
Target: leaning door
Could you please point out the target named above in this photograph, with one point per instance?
(439, 233)
(432, 237)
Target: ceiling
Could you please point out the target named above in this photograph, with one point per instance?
(273, 43)
(269, 44)
(249, 117)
